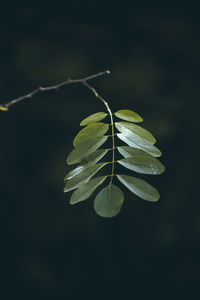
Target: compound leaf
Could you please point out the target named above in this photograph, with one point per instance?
(93, 118)
(108, 201)
(143, 164)
(128, 115)
(140, 187)
(82, 177)
(85, 149)
(136, 143)
(86, 190)
(139, 156)
(90, 131)
(127, 151)
(135, 131)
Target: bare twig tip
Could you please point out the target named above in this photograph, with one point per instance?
(3, 108)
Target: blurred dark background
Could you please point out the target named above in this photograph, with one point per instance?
(49, 249)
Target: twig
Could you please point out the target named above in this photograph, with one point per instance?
(5, 107)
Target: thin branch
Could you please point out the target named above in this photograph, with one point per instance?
(83, 81)
(97, 95)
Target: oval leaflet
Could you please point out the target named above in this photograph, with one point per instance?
(89, 132)
(86, 190)
(108, 201)
(140, 187)
(128, 115)
(93, 118)
(143, 164)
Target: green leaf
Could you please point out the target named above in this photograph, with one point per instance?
(127, 138)
(93, 118)
(127, 151)
(128, 115)
(143, 164)
(88, 161)
(136, 132)
(90, 131)
(108, 201)
(83, 177)
(75, 171)
(94, 157)
(140, 187)
(85, 149)
(86, 190)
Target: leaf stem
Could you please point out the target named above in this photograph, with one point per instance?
(111, 123)
(113, 146)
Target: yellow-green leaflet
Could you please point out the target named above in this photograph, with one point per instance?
(88, 161)
(83, 177)
(85, 149)
(94, 156)
(93, 118)
(128, 115)
(89, 132)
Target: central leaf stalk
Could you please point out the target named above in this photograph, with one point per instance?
(113, 145)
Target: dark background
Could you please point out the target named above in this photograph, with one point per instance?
(49, 249)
